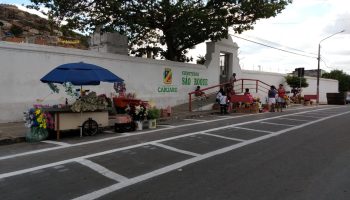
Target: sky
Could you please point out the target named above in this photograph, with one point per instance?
(302, 25)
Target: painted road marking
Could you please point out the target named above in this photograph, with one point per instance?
(158, 172)
(250, 129)
(292, 119)
(9, 174)
(327, 112)
(56, 143)
(102, 170)
(227, 138)
(151, 131)
(175, 149)
(277, 124)
(197, 120)
(310, 116)
(165, 125)
(169, 127)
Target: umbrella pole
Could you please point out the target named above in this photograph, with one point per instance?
(81, 113)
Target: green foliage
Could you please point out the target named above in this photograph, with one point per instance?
(153, 113)
(294, 81)
(342, 77)
(53, 88)
(70, 90)
(178, 25)
(201, 60)
(16, 30)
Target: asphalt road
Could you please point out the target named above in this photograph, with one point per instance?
(302, 153)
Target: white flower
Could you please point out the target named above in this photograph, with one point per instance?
(137, 109)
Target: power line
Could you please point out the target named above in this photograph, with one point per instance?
(275, 43)
(265, 45)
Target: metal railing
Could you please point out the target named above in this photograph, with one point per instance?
(239, 86)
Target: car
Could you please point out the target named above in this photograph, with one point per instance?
(347, 97)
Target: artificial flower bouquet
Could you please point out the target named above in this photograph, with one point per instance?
(138, 113)
(38, 122)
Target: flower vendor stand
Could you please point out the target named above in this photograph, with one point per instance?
(80, 74)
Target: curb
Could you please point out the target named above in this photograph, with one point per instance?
(185, 116)
(8, 141)
(193, 115)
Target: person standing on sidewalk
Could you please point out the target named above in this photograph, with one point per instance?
(223, 103)
(272, 98)
(218, 95)
(233, 79)
(280, 99)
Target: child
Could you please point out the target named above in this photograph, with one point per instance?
(199, 93)
(272, 98)
(218, 95)
(223, 103)
(247, 93)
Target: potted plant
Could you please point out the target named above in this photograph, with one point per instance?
(153, 115)
(138, 114)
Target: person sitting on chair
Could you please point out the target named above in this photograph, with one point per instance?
(199, 93)
(247, 93)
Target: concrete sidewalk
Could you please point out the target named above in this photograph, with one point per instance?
(12, 132)
(15, 132)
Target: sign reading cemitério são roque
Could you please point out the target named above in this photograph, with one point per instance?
(193, 78)
(188, 78)
(167, 81)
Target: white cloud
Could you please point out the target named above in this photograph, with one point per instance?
(301, 26)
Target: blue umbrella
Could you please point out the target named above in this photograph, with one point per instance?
(80, 74)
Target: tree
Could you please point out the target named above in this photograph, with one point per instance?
(1, 25)
(296, 83)
(16, 30)
(175, 24)
(342, 77)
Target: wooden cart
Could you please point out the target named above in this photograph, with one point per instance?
(89, 122)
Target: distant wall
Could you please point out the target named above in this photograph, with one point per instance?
(22, 66)
(326, 85)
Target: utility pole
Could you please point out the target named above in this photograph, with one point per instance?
(318, 66)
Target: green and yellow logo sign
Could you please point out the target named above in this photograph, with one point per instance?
(167, 76)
